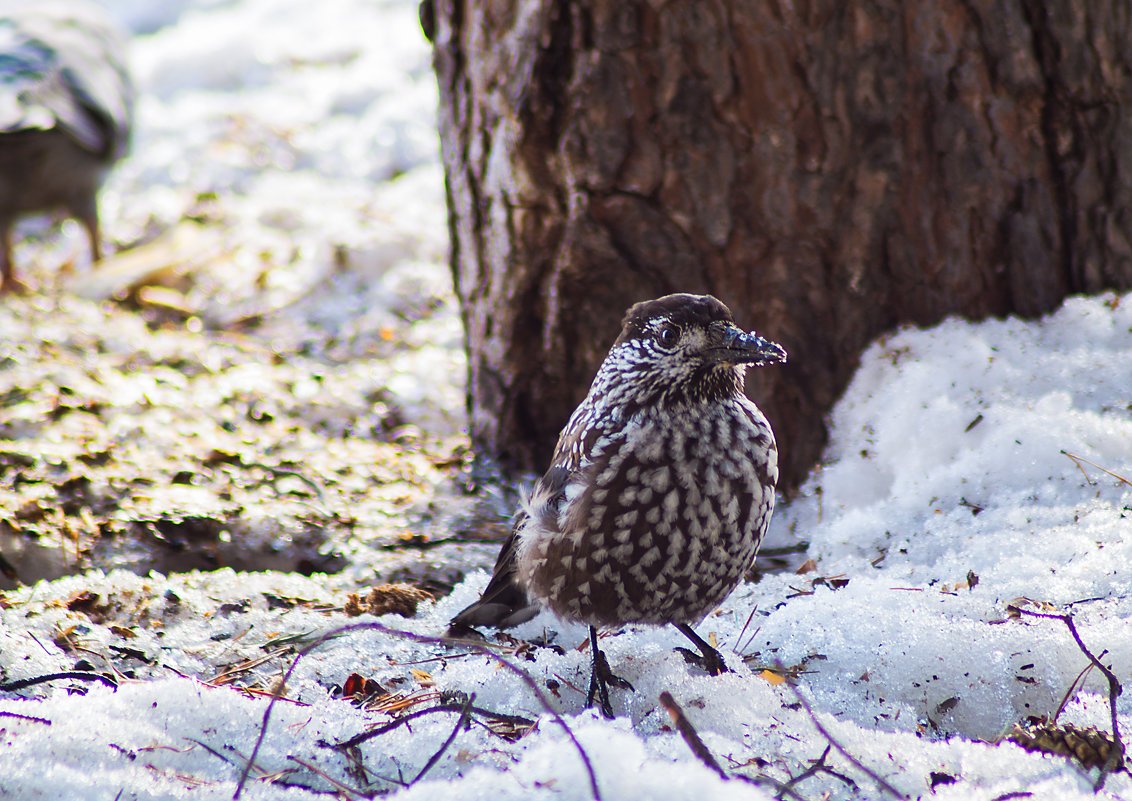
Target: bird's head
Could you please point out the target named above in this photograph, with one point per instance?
(686, 347)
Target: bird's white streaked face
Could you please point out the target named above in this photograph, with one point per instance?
(690, 357)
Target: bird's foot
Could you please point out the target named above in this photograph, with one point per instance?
(601, 679)
(712, 661)
(709, 659)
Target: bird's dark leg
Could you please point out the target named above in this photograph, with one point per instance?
(712, 660)
(601, 677)
(7, 275)
(85, 211)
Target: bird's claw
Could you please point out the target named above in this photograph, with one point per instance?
(711, 661)
(601, 679)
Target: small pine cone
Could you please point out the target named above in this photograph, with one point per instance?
(1089, 746)
(397, 599)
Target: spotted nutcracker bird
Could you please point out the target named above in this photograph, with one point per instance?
(66, 105)
(659, 493)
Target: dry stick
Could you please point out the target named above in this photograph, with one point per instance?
(888, 788)
(739, 640)
(432, 760)
(1077, 461)
(1114, 689)
(688, 732)
(5, 714)
(345, 788)
(1073, 687)
(782, 790)
(358, 739)
(815, 766)
(419, 638)
(366, 775)
(360, 772)
(818, 766)
(70, 674)
(212, 751)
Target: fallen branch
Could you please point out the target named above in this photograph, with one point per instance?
(688, 732)
(461, 723)
(19, 684)
(419, 638)
(888, 788)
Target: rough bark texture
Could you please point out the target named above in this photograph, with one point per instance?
(829, 169)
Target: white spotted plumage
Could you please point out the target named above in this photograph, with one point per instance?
(661, 486)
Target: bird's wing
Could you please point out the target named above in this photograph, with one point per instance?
(504, 603)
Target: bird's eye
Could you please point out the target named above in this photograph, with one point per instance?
(668, 335)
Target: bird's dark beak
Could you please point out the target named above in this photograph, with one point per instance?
(740, 347)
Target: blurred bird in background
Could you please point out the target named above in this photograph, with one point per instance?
(66, 107)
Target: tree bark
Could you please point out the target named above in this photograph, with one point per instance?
(828, 169)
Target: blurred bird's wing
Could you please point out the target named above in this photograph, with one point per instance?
(26, 73)
(63, 64)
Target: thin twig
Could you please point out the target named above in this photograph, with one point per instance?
(360, 772)
(888, 788)
(70, 674)
(689, 733)
(1072, 687)
(818, 766)
(782, 790)
(40, 644)
(229, 673)
(444, 747)
(282, 472)
(118, 676)
(1116, 758)
(213, 751)
(17, 715)
(425, 639)
(1077, 461)
(345, 788)
(739, 647)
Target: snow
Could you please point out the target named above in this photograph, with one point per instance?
(946, 495)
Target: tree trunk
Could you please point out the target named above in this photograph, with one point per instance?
(829, 169)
